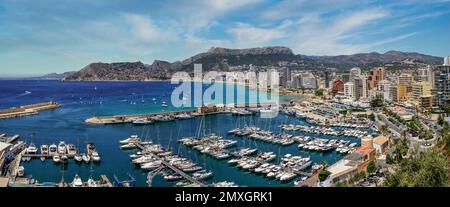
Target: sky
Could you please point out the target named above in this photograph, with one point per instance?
(44, 36)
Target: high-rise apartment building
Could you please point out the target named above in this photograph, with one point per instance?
(375, 76)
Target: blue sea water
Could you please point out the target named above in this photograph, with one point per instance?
(82, 100)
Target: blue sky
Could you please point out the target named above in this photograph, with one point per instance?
(42, 36)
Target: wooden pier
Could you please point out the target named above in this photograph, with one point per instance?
(175, 169)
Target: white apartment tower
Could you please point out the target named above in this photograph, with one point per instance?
(447, 61)
(349, 90)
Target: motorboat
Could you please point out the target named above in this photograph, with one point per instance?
(53, 149)
(92, 183)
(139, 122)
(64, 158)
(95, 157)
(71, 149)
(90, 148)
(143, 159)
(44, 149)
(77, 182)
(288, 176)
(20, 171)
(192, 169)
(128, 146)
(78, 158)
(134, 156)
(202, 175)
(56, 159)
(225, 184)
(31, 149)
(86, 158)
(131, 139)
(172, 177)
(183, 116)
(300, 180)
(162, 118)
(151, 165)
(164, 104)
(233, 161)
(62, 147)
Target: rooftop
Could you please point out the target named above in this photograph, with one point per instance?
(380, 140)
(364, 150)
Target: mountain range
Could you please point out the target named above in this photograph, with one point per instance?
(223, 59)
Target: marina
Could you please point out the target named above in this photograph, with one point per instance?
(161, 137)
(61, 153)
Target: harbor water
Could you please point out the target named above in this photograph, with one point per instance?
(82, 100)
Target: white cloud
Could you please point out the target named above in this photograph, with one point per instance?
(245, 35)
(320, 36)
(145, 30)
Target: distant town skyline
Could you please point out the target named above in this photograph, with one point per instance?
(39, 37)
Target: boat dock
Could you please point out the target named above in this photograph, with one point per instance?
(200, 111)
(45, 155)
(175, 169)
(4, 138)
(28, 110)
(124, 119)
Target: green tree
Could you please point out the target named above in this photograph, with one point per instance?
(342, 184)
(377, 102)
(372, 167)
(384, 129)
(319, 93)
(324, 163)
(427, 169)
(323, 175)
(389, 159)
(372, 117)
(440, 120)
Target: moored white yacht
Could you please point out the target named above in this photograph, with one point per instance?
(131, 139)
(78, 157)
(44, 149)
(53, 149)
(95, 157)
(71, 149)
(62, 147)
(31, 149)
(139, 122)
(64, 158)
(56, 158)
(86, 158)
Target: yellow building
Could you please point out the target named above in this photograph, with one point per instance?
(403, 92)
(421, 93)
(421, 89)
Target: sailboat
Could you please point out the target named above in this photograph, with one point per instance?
(77, 182)
(78, 157)
(91, 182)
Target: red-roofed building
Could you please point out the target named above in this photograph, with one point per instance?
(338, 86)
